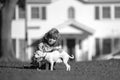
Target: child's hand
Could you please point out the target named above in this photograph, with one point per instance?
(57, 48)
(60, 50)
(54, 48)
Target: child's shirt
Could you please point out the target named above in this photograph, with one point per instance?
(44, 47)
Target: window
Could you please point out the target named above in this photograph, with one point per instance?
(43, 13)
(98, 47)
(38, 13)
(97, 12)
(107, 46)
(103, 12)
(35, 13)
(116, 44)
(117, 12)
(14, 44)
(106, 12)
(21, 13)
(71, 13)
(103, 46)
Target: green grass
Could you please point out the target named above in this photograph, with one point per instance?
(93, 70)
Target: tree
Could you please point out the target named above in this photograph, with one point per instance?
(7, 11)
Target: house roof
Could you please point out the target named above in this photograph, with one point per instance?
(38, 1)
(99, 1)
(84, 1)
(73, 26)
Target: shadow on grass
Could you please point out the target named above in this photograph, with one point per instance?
(44, 66)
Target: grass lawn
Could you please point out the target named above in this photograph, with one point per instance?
(93, 70)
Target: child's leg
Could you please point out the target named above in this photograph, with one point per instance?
(38, 59)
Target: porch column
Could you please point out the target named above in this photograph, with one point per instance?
(77, 50)
(101, 46)
(91, 51)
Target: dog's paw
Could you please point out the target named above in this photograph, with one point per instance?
(38, 69)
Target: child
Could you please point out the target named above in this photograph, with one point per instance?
(50, 42)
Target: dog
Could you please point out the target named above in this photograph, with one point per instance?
(55, 57)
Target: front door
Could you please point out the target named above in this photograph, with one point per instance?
(71, 46)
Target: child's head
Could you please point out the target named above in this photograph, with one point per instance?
(52, 36)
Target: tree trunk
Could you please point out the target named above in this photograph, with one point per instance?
(6, 45)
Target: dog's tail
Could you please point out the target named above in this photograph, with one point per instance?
(71, 57)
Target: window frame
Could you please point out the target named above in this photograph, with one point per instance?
(115, 12)
(16, 14)
(99, 14)
(106, 46)
(110, 13)
(40, 13)
(99, 43)
(71, 12)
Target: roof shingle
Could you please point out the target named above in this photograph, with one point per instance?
(38, 1)
(100, 1)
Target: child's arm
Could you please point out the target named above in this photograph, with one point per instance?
(59, 48)
(44, 47)
(41, 46)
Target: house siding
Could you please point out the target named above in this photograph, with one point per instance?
(89, 14)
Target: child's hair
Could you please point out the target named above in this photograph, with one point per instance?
(54, 34)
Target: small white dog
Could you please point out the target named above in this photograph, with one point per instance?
(55, 56)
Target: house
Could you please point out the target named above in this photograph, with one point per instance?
(89, 28)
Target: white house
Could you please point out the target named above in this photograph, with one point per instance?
(89, 28)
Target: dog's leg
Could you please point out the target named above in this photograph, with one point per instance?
(66, 64)
(67, 67)
(51, 66)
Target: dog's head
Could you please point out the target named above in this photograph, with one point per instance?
(38, 54)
